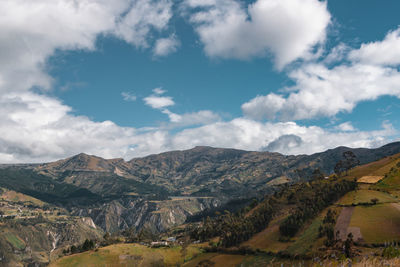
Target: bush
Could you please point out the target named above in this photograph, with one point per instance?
(391, 252)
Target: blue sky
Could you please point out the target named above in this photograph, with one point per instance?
(137, 77)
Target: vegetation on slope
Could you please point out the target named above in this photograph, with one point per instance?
(306, 200)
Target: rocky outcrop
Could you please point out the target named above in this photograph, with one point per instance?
(139, 213)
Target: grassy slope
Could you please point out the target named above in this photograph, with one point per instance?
(268, 240)
(377, 223)
(129, 255)
(307, 241)
(364, 196)
(376, 168)
(10, 195)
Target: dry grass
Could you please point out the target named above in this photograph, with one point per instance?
(124, 255)
(376, 168)
(206, 257)
(370, 179)
(377, 223)
(227, 260)
(364, 196)
(13, 196)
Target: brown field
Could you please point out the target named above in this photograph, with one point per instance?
(227, 260)
(343, 222)
(378, 223)
(370, 179)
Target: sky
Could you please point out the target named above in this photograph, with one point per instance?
(129, 78)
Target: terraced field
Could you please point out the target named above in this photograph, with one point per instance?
(378, 223)
(370, 179)
(365, 196)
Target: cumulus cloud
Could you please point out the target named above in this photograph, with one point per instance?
(288, 29)
(31, 31)
(188, 119)
(166, 46)
(157, 101)
(284, 144)
(143, 16)
(322, 91)
(254, 135)
(345, 127)
(386, 52)
(37, 128)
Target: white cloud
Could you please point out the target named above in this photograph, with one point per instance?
(37, 128)
(386, 52)
(31, 31)
(143, 16)
(346, 127)
(289, 29)
(159, 91)
(322, 91)
(253, 135)
(127, 96)
(188, 119)
(337, 54)
(157, 101)
(166, 46)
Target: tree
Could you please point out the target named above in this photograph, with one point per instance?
(74, 249)
(339, 168)
(348, 244)
(349, 161)
(88, 245)
(317, 174)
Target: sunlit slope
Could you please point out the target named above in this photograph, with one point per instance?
(376, 168)
(371, 213)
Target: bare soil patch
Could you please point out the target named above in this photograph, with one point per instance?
(396, 205)
(370, 179)
(343, 222)
(357, 236)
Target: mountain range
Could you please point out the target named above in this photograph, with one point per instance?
(118, 194)
(157, 192)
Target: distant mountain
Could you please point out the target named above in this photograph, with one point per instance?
(163, 190)
(201, 171)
